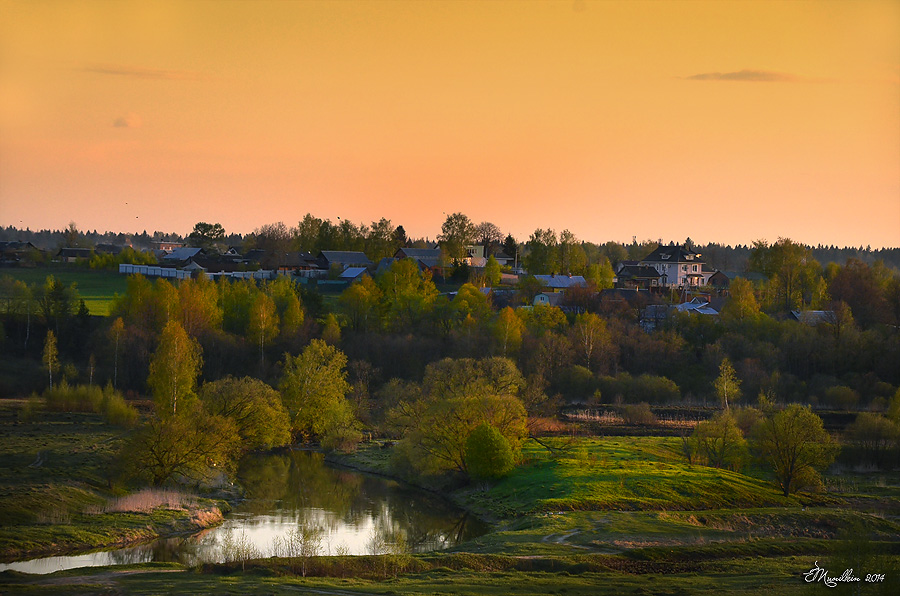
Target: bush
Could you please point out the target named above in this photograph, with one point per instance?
(720, 443)
(841, 397)
(345, 439)
(488, 453)
(90, 398)
(638, 414)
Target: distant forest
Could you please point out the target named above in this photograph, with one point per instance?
(348, 236)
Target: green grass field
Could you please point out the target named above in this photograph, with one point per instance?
(57, 472)
(96, 287)
(620, 515)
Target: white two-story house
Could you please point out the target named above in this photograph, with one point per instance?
(678, 266)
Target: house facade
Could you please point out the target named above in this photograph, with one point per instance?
(678, 266)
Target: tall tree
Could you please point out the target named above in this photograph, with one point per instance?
(457, 232)
(492, 273)
(543, 253)
(792, 271)
(380, 240)
(206, 235)
(115, 332)
(359, 302)
(510, 246)
(508, 330)
(256, 409)
(314, 388)
(263, 324)
(174, 369)
(727, 384)
(51, 354)
(572, 258)
(590, 338)
(489, 236)
(400, 239)
(743, 304)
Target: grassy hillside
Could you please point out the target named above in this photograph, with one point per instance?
(96, 287)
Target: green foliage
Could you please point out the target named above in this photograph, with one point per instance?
(743, 304)
(457, 232)
(650, 388)
(601, 275)
(719, 442)
(360, 303)
(488, 453)
(174, 369)
(194, 446)
(543, 253)
(407, 294)
(50, 355)
(205, 235)
(876, 435)
(638, 414)
(507, 332)
(457, 396)
(841, 397)
(492, 272)
(727, 385)
(794, 444)
(254, 407)
(314, 388)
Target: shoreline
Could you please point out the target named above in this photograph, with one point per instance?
(193, 520)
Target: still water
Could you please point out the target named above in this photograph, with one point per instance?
(352, 513)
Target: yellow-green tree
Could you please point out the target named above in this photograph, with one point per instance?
(314, 388)
(458, 396)
(263, 323)
(407, 293)
(727, 384)
(507, 330)
(492, 273)
(254, 407)
(743, 304)
(51, 355)
(173, 369)
(359, 302)
(793, 442)
(200, 310)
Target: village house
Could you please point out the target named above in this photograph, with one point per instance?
(678, 266)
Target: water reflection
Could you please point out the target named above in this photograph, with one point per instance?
(351, 513)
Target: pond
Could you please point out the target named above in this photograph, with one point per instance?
(341, 511)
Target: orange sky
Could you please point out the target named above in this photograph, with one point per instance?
(722, 121)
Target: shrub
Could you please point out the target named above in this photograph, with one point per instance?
(488, 453)
(638, 414)
(720, 443)
(842, 397)
(345, 439)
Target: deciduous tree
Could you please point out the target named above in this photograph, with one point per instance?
(727, 384)
(174, 369)
(314, 388)
(254, 407)
(793, 442)
(457, 232)
(51, 355)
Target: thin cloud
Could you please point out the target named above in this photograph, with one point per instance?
(750, 76)
(128, 121)
(138, 72)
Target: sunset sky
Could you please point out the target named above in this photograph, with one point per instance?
(722, 121)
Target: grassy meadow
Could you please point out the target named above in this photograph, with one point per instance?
(614, 515)
(95, 287)
(59, 494)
